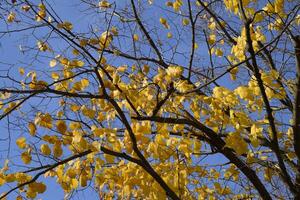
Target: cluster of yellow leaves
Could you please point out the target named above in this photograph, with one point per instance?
(69, 64)
(44, 120)
(232, 172)
(42, 46)
(176, 5)
(238, 50)
(155, 140)
(225, 96)
(34, 189)
(41, 13)
(65, 25)
(18, 177)
(120, 180)
(26, 156)
(81, 85)
(21, 142)
(174, 71)
(105, 39)
(236, 142)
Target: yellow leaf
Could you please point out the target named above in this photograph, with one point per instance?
(104, 4)
(55, 76)
(21, 142)
(77, 63)
(236, 142)
(32, 128)
(61, 126)
(219, 52)
(66, 25)
(88, 112)
(211, 39)
(37, 187)
(53, 63)
(44, 120)
(74, 107)
(84, 82)
(11, 17)
(135, 37)
(38, 85)
(185, 21)
(164, 22)
(26, 157)
(45, 149)
(105, 39)
(174, 71)
(114, 31)
(21, 71)
(42, 46)
(74, 183)
(26, 8)
(75, 52)
(57, 150)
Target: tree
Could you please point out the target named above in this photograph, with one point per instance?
(183, 99)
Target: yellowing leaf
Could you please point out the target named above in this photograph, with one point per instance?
(114, 31)
(76, 63)
(75, 52)
(212, 39)
(74, 108)
(85, 82)
(104, 4)
(37, 187)
(61, 126)
(219, 52)
(21, 71)
(44, 120)
(45, 149)
(174, 71)
(32, 128)
(164, 22)
(243, 91)
(26, 157)
(135, 37)
(185, 21)
(88, 112)
(65, 25)
(53, 63)
(42, 46)
(21, 142)
(11, 17)
(105, 39)
(236, 142)
(26, 8)
(55, 76)
(38, 85)
(169, 35)
(57, 150)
